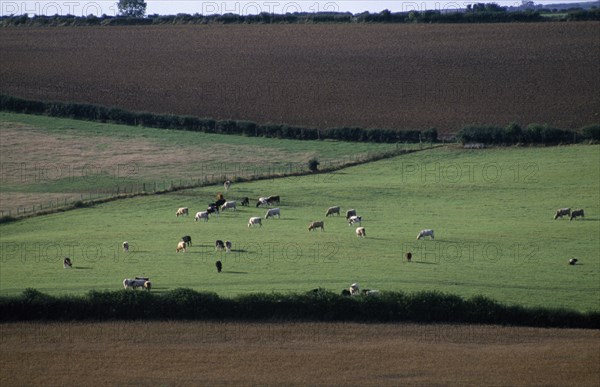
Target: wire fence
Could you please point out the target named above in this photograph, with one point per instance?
(248, 172)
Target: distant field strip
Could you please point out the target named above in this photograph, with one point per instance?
(319, 75)
(47, 161)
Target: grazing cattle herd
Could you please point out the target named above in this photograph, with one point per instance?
(352, 218)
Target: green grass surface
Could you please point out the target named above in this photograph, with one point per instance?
(492, 211)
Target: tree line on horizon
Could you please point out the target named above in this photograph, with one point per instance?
(132, 13)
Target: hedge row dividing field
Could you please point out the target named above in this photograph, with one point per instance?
(492, 212)
(324, 76)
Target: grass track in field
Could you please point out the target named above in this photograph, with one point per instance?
(493, 220)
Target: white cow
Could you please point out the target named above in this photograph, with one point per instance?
(262, 201)
(228, 205)
(272, 212)
(181, 246)
(137, 283)
(360, 232)
(354, 289)
(355, 219)
(201, 215)
(424, 233)
(254, 221)
(227, 184)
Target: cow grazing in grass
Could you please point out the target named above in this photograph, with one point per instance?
(138, 282)
(424, 233)
(212, 209)
(409, 256)
(332, 211)
(219, 266)
(245, 201)
(360, 232)
(273, 200)
(272, 212)
(228, 205)
(219, 245)
(67, 263)
(228, 246)
(315, 225)
(354, 289)
(355, 219)
(576, 213)
(201, 215)
(562, 212)
(182, 211)
(254, 221)
(181, 247)
(350, 213)
(125, 246)
(227, 184)
(262, 201)
(219, 203)
(572, 261)
(187, 239)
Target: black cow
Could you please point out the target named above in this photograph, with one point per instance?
(219, 245)
(273, 200)
(219, 266)
(212, 209)
(575, 214)
(187, 239)
(245, 201)
(67, 262)
(409, 256)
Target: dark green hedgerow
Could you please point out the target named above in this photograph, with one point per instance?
(316, 305)
(512, 134)
(105, 114)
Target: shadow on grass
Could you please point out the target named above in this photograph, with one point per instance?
(234, 272)
(425, 263)
(82, 268)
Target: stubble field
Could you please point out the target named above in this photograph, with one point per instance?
(295, 354)
(396, 76)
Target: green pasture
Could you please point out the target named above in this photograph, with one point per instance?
(492, 212)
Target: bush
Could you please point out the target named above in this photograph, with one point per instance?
(313, 165)
(591, 132)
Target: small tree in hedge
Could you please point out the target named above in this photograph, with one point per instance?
(132, 8)
(313, 165)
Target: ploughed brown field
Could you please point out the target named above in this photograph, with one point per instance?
(294, 354)
(397, 76)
